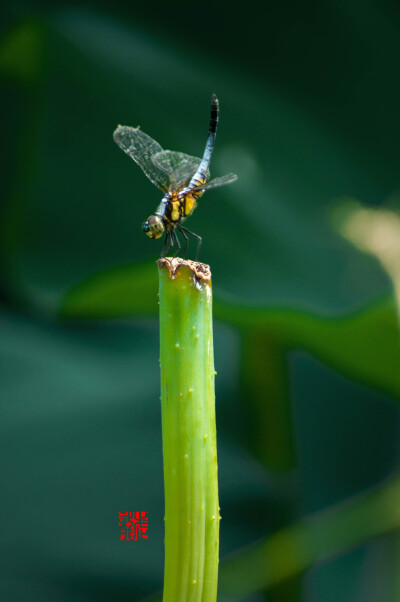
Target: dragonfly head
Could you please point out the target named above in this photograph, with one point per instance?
(153, 226)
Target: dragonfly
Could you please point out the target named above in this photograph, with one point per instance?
(183, 179)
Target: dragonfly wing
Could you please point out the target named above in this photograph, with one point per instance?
(215, 182)
(180, 167)
(142, 149)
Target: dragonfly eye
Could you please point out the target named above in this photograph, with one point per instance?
(153, 227)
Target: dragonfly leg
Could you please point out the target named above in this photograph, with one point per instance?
(167, 244)
(186, 240)
(178, 244)
(196, 236)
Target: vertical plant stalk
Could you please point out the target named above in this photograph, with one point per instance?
(189, 432)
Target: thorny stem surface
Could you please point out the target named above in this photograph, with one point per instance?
(189, 432)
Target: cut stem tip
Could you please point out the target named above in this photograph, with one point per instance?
(201, 271)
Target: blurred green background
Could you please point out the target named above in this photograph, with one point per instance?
(306, 328)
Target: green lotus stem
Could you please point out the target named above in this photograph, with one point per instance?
(189, 432)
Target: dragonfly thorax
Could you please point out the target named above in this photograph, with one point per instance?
(153, 227)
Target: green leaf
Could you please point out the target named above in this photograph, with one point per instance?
(119, 292)
(312, 540)
(364, 345)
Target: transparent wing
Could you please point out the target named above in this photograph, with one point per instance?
(142, 149)
(180, 167)
(215, 182)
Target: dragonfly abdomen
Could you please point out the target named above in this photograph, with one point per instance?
(202, 170)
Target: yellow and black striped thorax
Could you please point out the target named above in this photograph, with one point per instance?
(181, 206)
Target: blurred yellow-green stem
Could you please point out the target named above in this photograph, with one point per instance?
(189, 432)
